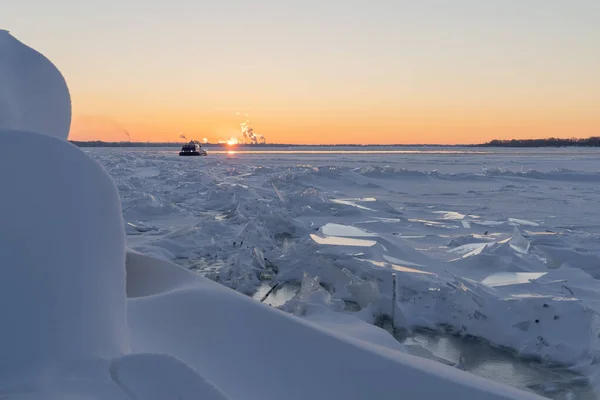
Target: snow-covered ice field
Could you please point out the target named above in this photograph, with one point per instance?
(500, 245)
(353, 267)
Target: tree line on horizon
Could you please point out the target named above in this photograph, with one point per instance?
(593, 141)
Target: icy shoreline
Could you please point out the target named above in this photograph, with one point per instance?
(278, 355)
(472, 253)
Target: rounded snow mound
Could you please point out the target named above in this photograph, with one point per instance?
(62, 255)
(33, 93)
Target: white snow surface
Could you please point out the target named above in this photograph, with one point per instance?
(33, 93)
(496, 244)
(60, 228)
(65, 332)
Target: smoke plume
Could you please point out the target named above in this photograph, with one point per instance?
(249, 135)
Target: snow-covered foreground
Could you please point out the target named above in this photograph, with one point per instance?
(501, 246)
(249, 350)
(83, 318)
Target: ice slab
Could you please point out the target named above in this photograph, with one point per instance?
(511, 278)
(345, 231)
(342, 241)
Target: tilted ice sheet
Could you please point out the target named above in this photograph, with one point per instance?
(250, 350)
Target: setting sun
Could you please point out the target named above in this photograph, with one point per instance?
(232, 142)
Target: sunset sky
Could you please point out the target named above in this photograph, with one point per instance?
(322, 71)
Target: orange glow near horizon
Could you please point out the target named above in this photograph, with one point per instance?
(408, 126)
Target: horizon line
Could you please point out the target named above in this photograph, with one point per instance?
(593, 140)
(267, 144)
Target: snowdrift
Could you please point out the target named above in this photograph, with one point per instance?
(33, 93)
(61, 229)
(65, 332)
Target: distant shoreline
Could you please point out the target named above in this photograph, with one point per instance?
(251, 146)
(551, 142)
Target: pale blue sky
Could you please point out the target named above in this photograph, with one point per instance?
(389, 58)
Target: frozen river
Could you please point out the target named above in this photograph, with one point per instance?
(495, 244)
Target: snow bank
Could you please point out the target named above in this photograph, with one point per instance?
(160, 377)
(65, 333)
(33, 93)
(135, 376)
(62, 254)
(250, 350)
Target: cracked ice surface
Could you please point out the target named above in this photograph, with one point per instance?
(510, 257)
